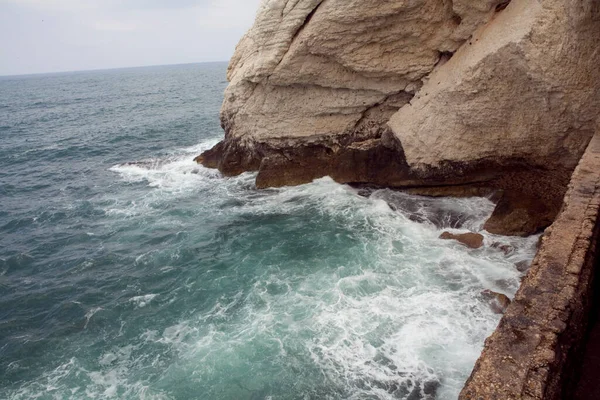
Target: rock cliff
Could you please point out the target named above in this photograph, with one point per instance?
(409, 93)
(536, 350)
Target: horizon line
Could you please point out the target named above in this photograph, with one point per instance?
(107, 69)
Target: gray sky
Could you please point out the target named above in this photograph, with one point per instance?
(69, 35)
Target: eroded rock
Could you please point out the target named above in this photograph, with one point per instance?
(498, 302)
(503, 247)
(421, 93)
(316, 67)
(523, 266)
(472, 240)
(520, 215)
(317, 70)
(525, 88)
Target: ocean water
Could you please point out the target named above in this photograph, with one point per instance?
(129, 272)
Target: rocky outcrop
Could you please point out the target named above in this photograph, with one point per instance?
(313, 68)
(522, 266)
(332, 72)
(442, 97)
(420, 93)
(536, 351)
(498, 302)
(524, 88)
(470, 239)
(521, 86)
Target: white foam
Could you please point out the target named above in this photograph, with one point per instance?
(400, 312)
(176, 172)
(90, 314)
(142, 301)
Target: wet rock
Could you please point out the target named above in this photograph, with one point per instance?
(455, 191)
(523, 266)
(520, 214)
(438, 211)
(472, 240)
(538, 244)
(505, 248)
(498, 302)
(431, 387)
(504, 284)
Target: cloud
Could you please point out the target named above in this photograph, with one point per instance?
(150, 4)
(54, 4)
(115, 26)
(67, 35)
(109, 4)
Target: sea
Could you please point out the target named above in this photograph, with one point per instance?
(127, 271)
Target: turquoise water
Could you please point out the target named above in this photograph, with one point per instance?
(129, 272)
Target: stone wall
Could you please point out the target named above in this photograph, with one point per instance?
(536, 351)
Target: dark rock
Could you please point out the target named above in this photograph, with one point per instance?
(504, 284)
(528, 197)
(431, 387)
(230, 158)
(519, 215)
(523, 266)
(454, 191)
(498, 302)
(506, 248)
(423, 209)
(472, 240)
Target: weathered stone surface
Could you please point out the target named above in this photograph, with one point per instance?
(312, 70)
(314, 84)
(498, 302)
(522, 89)
(522, 266)
(526, 87)
(472, 240)
(520, 214)
(503, 247)
(535, 352)
(315, 67)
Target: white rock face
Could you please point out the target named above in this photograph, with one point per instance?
(526, 86)
(312, 68)
(494, 88)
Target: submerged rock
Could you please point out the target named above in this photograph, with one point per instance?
(498, 302)
(503, 247)
(523, 266)
(472, 240)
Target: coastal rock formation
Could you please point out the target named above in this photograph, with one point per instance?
(524, 88)
(313, 68)
(475, 96)
(498, 302)
(522, 266)
(470, 239)
(328, 73)
(536, 351)
(503, 247)
(420, 93)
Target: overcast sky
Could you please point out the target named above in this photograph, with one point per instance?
(70, 35)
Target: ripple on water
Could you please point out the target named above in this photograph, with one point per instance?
(128, 272)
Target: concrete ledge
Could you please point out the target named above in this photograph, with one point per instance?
(535, 352)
